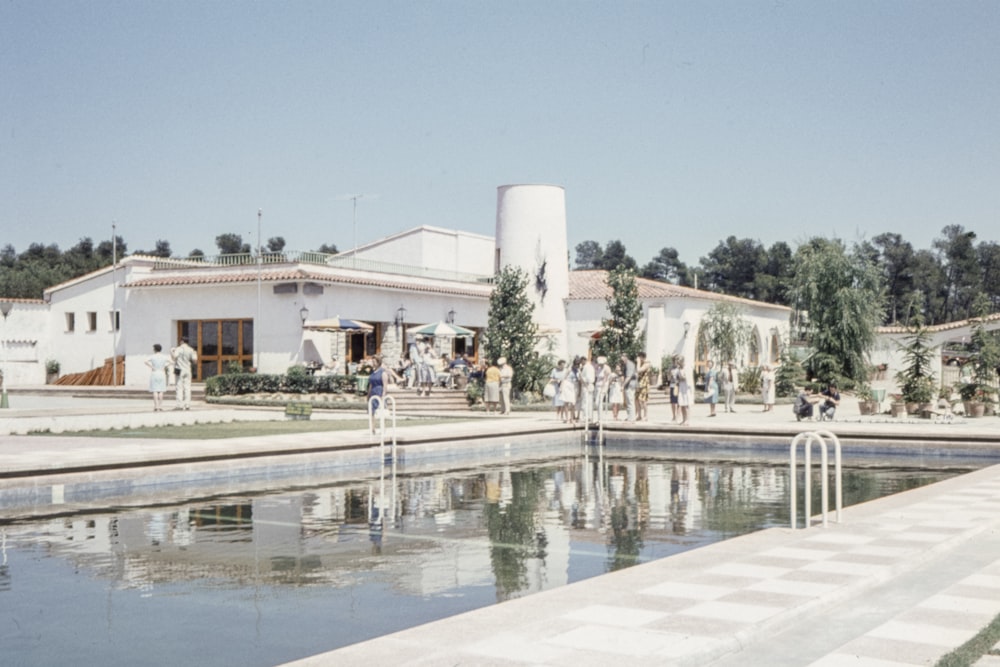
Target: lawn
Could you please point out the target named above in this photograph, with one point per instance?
(252, 428)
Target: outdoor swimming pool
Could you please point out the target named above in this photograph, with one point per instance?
(261, 577)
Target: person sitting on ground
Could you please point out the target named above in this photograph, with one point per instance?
(803, 404)
(832, 400)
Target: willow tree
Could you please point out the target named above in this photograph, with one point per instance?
(727, 332)
(843, 295)
(620, 330)
(511, 330)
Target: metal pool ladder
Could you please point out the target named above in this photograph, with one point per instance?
(820, 438)
(379, 405)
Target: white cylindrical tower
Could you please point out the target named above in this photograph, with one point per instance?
(531, 235)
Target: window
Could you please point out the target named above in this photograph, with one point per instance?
(116, 320)
(91, 321)
(70, 322)
(218, 344)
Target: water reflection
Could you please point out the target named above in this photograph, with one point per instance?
(433, 538)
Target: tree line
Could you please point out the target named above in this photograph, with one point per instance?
(28, 274)
(934, 285)
(928, 286)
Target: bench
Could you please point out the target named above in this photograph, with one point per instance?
(298, 410)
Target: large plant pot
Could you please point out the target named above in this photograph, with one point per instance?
(974, 408)
(913, 409)
(874, 407)
(864, 407)
(362, 383)
(897, 409)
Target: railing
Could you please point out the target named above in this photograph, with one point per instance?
(818, 437)
(378, 405)
(323, 259)
(381, 405)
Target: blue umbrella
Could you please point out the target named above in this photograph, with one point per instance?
(338, 324)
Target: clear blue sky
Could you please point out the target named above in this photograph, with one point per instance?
(668, 123)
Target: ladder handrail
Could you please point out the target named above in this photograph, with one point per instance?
(818, 437)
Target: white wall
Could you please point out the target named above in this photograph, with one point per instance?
(435, 248)
(26, 346)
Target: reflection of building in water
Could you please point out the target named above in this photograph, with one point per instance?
(438, 534)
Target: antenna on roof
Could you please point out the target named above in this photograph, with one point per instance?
(354, 218)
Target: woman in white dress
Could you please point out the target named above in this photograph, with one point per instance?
(158, 363)
(567, 394)
(685, 391)
(767, 388)
(615, 395)
(556, 377)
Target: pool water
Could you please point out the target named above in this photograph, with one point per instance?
(265, 578)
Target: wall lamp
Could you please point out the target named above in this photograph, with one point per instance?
(687, 328)
(303, 315)
(451, 316)
(400, 317)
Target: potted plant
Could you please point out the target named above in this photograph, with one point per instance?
(51, 371)
(916, 381)
(866, 404)
(896, 406)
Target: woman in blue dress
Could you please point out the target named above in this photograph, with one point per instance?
(711, 388)
(158, 378)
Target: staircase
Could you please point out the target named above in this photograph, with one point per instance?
(440, 400)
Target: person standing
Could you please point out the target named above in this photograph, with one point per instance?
(602, 382)
(644, 372)
(428, 370)
(673, 380)
(184, 358)
(629, 382)
(616, 395)
(491, 389)
(568, 391)
(506, 382)
(711, 388)
(556, 378)
(729, 387)
(158, 378)
(588, 379)
(378, 382)
(685, 391)
(767, 388)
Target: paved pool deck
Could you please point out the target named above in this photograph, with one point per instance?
(901, 581)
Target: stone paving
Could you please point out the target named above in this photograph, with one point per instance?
(902, 581)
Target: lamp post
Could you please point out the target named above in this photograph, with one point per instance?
(5, 307)
(258, 322)
(400, 318)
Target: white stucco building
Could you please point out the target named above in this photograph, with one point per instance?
(258, 311)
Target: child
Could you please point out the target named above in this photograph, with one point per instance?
(803, 405)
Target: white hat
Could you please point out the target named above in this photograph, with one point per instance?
(501, 360)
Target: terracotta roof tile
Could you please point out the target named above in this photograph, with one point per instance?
(585, 285)
(947, 326)
(223, 276)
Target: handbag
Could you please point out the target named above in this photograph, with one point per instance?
(550, 390)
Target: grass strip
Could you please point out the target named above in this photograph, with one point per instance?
(974, 649)
(222, 431)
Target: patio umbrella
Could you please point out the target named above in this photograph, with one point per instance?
(338, 324)
(441, 328)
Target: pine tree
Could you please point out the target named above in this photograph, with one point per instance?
(620, 332)
(511, 329)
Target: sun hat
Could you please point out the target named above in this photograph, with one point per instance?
(501, 360)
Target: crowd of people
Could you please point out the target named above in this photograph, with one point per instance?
(578, 389)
